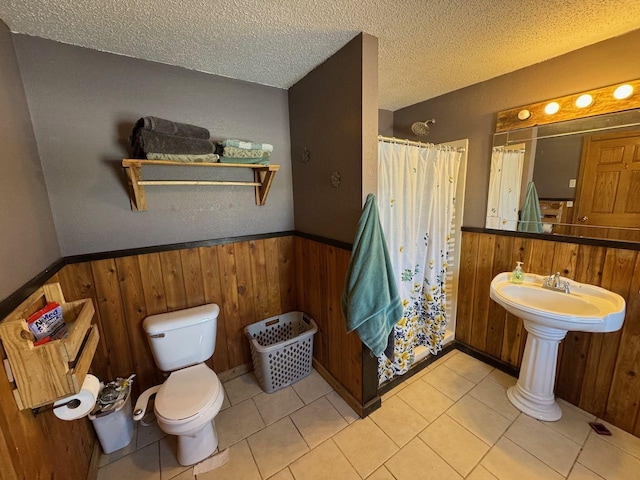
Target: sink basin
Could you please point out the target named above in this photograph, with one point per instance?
(586, 308)
(547, 316)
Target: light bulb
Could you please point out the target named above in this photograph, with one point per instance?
(524, 114)
(623, 91)
(584, 100)
(552, 108)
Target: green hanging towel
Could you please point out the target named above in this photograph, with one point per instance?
(530, 217)
(370, 300)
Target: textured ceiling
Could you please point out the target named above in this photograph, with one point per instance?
(427, 47)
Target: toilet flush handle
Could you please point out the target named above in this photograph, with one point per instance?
(143, 401)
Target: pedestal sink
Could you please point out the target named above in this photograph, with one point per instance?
(548, 315)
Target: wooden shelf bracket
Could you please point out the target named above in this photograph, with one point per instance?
(263, 177)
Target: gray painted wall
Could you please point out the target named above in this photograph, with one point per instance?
(385, 123)
(83, 104)
(28, 242)
(471, 112)
(557, 162)
(333, 115)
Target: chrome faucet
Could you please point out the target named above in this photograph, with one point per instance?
(552, 282)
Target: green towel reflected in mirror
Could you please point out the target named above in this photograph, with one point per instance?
(530, 216)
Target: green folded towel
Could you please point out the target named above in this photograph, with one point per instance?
(248, 145)
(186, 158)
(243, 153)
(370, 300)
(248, 161)
(531, 217)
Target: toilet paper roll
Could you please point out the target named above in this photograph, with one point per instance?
(86, 396)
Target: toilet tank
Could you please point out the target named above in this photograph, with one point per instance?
(182, 338)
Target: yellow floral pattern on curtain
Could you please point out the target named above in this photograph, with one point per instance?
(416, 188)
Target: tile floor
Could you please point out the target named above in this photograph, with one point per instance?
(451, 421)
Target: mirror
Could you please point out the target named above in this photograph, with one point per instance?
(586, 174)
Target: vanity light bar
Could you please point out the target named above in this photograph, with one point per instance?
(613, 98)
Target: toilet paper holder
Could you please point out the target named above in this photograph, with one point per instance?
(73, 403)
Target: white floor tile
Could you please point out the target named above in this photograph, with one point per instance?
(381, 474)
(448, 382)
(416, 461)
(276, 446)
(482, 421)
(574, 423)
(394, 391)
(318, 421)
(343, 407)
(481, 473)
(277, 405)
(621, 439)
(544, 443)
(508, 461)
(365, 445)
(312, 387)
(456, 439)
(442, 358)
(325, 462)
(494, 396)
(282, 475)
(241, 388)
(607, 460)
(237, 423)
(240, 466)
(426, 400)
(186, 475)
(143, 464)
(148, 434)
(455, 444)
(502, 378)
(398, 420)
(467, 366)
(581, 472)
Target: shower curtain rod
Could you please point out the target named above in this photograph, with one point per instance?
(406, 141)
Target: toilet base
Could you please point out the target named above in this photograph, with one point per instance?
(198, 446)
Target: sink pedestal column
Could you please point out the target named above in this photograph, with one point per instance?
(533, 393)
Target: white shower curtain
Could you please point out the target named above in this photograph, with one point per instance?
(416, 190)
(505, 182)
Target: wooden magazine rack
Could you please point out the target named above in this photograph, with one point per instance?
(45, 373)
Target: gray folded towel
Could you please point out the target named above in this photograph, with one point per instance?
(145, 141)
(160, 125)
(171, 157)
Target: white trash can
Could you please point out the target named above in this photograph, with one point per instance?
(114, 427)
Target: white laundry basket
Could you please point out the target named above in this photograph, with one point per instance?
(281, 349)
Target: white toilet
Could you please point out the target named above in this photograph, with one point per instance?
(187, 402)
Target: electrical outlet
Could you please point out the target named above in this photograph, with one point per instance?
(572, 183)
(569, 204)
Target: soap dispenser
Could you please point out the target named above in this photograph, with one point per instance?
(517, 276)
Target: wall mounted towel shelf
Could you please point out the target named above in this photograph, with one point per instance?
(263, 177)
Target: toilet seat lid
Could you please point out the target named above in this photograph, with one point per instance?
(187, 392)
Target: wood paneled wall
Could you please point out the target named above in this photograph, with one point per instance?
(42, 446)
(597, 372)
(320, 275)
(250, 280)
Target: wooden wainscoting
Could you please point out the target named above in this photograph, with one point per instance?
(249, 280)
(597, 372)
(41, 446)
(321, 271)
